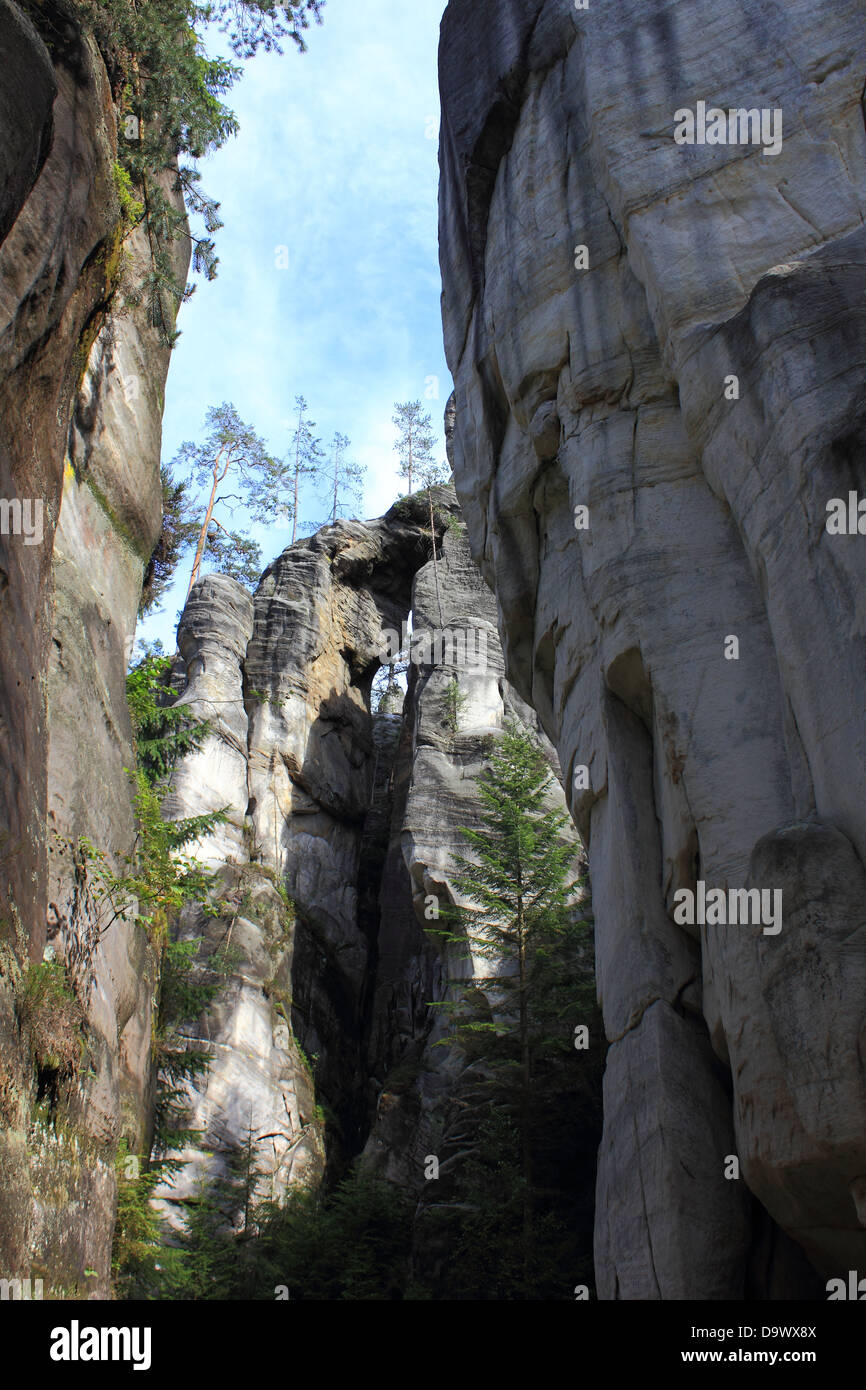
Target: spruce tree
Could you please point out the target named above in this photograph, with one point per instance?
(527, 943)
(156, 881)
(164, 732)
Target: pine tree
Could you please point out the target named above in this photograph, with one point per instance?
(230, 447)
(387, 694)
(528, 946)
(414, 440)
(303, 460)
(233, 554)
(345, 479)
(170, 99)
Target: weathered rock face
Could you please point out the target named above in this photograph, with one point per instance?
(285, 681)
(81, 402)
(609, 388)
(110, 517)
(356, 818)
(457, 701)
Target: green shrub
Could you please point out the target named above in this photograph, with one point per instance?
(53, 1018)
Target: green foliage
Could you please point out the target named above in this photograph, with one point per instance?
(352, 1244)
(187, 990)
(523, 921)
(303, 460)
(130, 207)
(414, 444)
(387, 694)
(143, 1265)
(520, 874)
(454, 702)
(156, 879)
(163, 733)
(265, 23)
(529, 1102)
(137, 1230)
(180, 526)
(344, 480)
(53, 1017)
(229, 447)
(235, 555)
(172, 113)
(468, 1235)
(432, 474)
(263, 697)
(227, 551)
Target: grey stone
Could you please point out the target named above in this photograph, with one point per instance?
(706, 520)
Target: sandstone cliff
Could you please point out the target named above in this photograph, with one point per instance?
(602, 287)
(342, 830)
(81, 401)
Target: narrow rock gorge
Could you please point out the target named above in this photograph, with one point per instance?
(326, 1042)
(657, 353)
(657, 356)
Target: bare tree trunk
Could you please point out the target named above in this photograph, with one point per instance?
(202, 536)
(297, 474)
(435, 562)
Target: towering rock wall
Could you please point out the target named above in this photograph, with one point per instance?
(339, 848)
(81, 401)
(671, 337)
(285, 681)
(457, 701)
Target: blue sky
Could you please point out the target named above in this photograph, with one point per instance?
(336, 160)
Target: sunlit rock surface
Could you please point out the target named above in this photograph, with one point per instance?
(342, 833)
(609, 388)
(81, 403)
